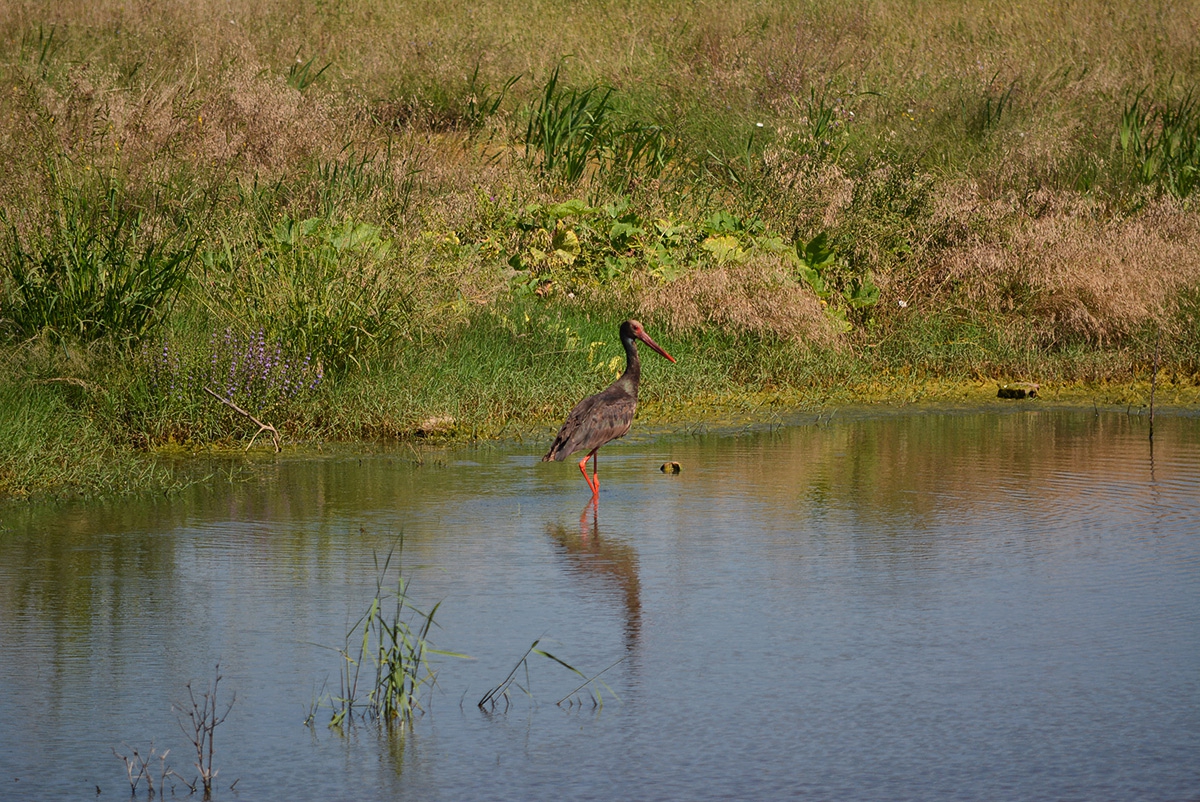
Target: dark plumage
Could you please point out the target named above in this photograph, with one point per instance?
(608, 414)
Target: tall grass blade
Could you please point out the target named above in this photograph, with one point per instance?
(1162, 143)
(91, 267)
(499, 693)
(596, 696)
(301, 75)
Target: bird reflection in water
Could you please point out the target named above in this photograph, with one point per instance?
(612, 563)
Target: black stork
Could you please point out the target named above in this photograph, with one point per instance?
(608, 414)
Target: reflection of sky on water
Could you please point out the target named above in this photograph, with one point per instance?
(906, 606)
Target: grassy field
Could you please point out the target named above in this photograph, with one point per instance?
(366, 219)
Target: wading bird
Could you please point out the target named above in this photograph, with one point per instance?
(606, 415)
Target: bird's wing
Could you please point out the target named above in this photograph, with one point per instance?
(593, 422)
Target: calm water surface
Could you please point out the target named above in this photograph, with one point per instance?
(926, 606)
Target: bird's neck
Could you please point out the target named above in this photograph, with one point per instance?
(633, 367)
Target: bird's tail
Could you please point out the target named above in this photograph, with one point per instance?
(555, 454)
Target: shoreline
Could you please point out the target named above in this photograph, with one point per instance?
(167, 469)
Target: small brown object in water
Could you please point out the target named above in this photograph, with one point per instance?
(670, 467)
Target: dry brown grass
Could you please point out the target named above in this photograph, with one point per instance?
(151, 70)
(1077, 273)
(759, 296)
(730, 51)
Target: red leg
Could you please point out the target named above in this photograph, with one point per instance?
(593, 481)
(583, 470)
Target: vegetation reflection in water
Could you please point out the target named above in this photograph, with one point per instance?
(948, 591)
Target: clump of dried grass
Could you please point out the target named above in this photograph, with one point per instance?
(759, 296)
(813, 195)
(258, 117)
(1074, 273)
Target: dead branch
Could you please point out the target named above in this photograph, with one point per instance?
(262, 427)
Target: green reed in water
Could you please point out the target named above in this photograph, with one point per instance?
(396, 647)
(500, 693)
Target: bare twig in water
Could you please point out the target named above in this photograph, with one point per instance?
(203, 720)
(137, 768)
(262, 427)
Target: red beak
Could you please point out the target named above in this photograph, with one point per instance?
(644, 337)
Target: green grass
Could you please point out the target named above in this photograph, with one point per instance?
(1163, 143)
(90, 265)
(50, 445)
(321, 287)
(517, 373)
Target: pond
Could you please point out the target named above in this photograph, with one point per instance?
(925, 604)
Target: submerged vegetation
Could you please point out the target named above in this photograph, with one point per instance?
(351, 221)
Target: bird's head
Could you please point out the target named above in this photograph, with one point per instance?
(632, 330)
